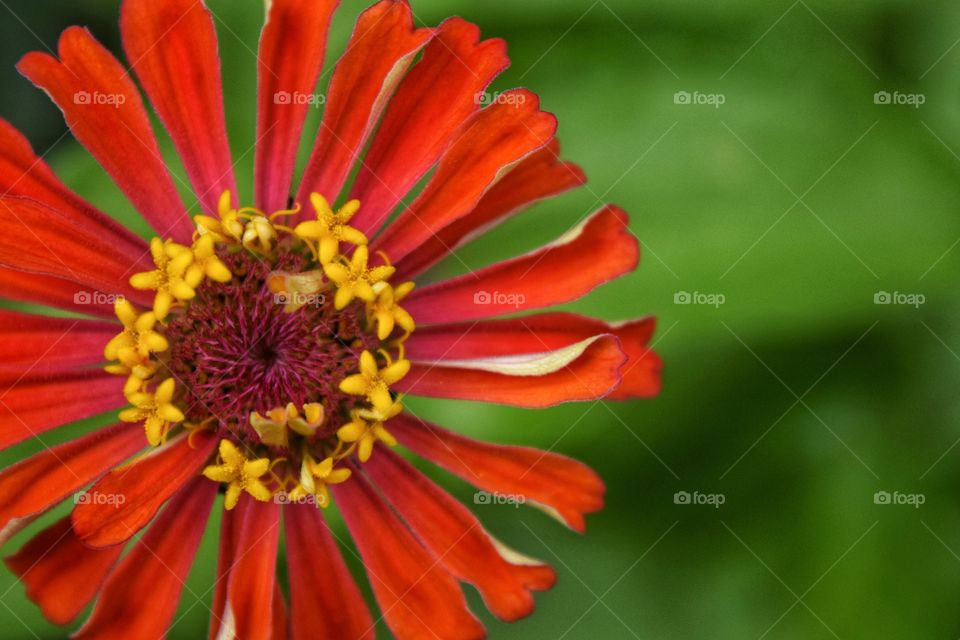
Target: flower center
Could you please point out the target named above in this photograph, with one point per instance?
(273, 337)
(238, 351)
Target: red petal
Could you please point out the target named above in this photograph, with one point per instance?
(172, 46)
(382, 47)
(23, 174)
(532, 334)
(55, 292)
(291, 55)
(563, 487)
(252, 580)
(61, 574)
(27, 339)
(42, 481)
(591, 371)
(417, 597)
(539, 176)
(40, 403)
(139, 489)
(336, 610)
(280, 618)
(104, 111)
(457, 538)
(492, 142)
(141, 594)
(35, 238)
(432, 102)
(226, 556)
(599, 250)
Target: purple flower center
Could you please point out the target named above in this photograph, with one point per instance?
(236, 349)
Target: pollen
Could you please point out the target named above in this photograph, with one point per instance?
(281, 337)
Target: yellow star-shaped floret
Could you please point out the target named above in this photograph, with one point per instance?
(169, 278)
(156, 410)
(355, 279)
(387, 312)
(373, 382)
(133, 346)
(206, 263)
(314, 479)
(227, 227)
(367, 427)
(325, 234)
(240, 473)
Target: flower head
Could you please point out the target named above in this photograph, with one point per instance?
(266, 352)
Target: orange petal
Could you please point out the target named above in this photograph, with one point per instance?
(103, 109)
(172, 47)
(292, 46)
(587, 370)
(455, 66)
(140, 597)
(417, 596)
(61, 574)
(540, 175)
(457, 539)
(130, 496)
(599, 250)
(40, 482)
(531, 334)
(564, 487)
(491, 142)
(335, 608)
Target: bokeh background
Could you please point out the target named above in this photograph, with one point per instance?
(793, 398)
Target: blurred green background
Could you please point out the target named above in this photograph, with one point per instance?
(795, 202)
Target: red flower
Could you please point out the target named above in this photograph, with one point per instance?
(265, 350)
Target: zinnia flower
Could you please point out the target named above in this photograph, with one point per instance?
(265, 351)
